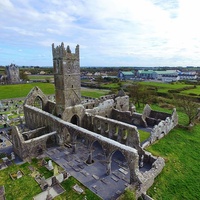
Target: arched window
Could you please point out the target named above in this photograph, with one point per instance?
(38, 102)
(75, 120)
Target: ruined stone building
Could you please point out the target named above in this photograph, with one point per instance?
(107, 120)
(12, 72)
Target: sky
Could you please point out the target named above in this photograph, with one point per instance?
(110, 32)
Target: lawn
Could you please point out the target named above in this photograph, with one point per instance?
(22, 90)
(180, 178)
(40, 77)
(195, 91)
(164, 87)
(94, 93)
(71, 194)
(143, 135)
(110, 85)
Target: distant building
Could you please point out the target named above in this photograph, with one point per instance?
(146, 74)
(27, 73)
(188, 75)
(12, 72)
(160, 74)
(42, 73)
(126, 75)
(170, 78)
(151, 74)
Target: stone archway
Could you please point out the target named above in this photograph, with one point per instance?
(75, 120)
(119, 166)
(52, 141)
(38, 103)
(98, 152)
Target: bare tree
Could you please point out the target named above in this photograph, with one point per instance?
(188, 106)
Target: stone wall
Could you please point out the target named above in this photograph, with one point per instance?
(103, 109)
(162, 129)
(59, 128)
(36, 118)
(122, 103)
(33, 94)
(147, 178)
(34, 133)
(126, 117)
(153, 117)
(50, 107)
(78, 111)
(115, 130)
(29, 148)
(91, 103)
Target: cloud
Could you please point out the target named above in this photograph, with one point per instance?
(115, 31)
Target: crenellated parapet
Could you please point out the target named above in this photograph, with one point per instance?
(61, 52)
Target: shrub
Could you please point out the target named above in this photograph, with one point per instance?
(128, 195)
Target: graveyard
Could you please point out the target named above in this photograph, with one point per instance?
(34, 179)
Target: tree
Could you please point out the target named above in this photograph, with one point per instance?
(23, 76)
(99, 80)
(140, 94)
(188, 106)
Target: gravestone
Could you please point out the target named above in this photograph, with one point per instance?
(19, 174)
(78, 189)
(60, 178)
(65, 175)
(54, 181)
(50, 165)
(12, 156)
(44, 162)
(2, 192)
(43, 184)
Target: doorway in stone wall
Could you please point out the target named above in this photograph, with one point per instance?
(119, 166)
(75, 120)
(51, 141)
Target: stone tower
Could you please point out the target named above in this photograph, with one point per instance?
(12, 72)
(66, 77)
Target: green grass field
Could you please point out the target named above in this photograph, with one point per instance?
(94, 93)
(22, 90)
(180, 178)
(40, 77)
